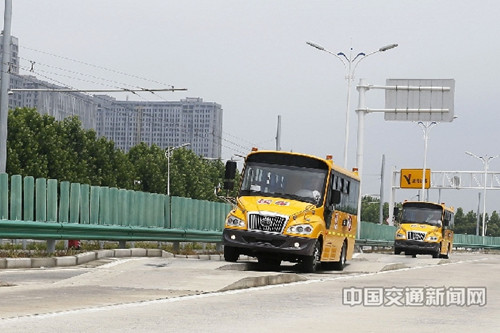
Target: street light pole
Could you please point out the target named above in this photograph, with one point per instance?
(426, 127)
(486, 161)
(4, 87)
(168, 152)
(350, 65)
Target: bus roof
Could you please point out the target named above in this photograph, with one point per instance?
(428, 203)
(328, 162)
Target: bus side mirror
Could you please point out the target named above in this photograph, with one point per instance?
(395, 214)
(229, 185)
(230, 170)
(229, 175)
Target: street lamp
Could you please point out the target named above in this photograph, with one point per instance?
(350, 69)
(168, 153)
(486, 160)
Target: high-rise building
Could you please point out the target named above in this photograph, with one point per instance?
(164, 123)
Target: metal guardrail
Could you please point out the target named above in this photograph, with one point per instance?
(64, 231)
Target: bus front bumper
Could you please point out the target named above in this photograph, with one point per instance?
(417, 247)
(252, 243)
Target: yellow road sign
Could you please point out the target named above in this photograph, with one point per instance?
(412, 178)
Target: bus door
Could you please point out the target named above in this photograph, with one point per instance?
(447, 232)
(333, 221)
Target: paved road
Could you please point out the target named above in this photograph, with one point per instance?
(185, 295)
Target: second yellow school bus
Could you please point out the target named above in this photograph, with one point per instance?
(293, 207)
(425, 228)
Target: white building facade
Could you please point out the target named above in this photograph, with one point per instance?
(163, 123)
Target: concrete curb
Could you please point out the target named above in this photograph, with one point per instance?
(216, 257)
(393, 266)
(18, 262)
(43, 262)
(83, 258)
(259, 281)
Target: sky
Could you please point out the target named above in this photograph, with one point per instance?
(251, 57)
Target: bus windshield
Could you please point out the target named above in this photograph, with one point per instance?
(290, 182)
(431, 216)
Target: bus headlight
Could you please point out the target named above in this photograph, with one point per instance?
(400, 235)
(233, 221)
(301, 229)
(432, 238)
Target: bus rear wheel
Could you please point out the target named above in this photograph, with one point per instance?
(339, 265)
(447, 255)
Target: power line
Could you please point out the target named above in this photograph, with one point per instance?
(92, 65)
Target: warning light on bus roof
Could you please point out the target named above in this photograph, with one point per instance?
(329, 157)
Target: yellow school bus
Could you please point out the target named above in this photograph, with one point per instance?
(425, 228)
(293, 207)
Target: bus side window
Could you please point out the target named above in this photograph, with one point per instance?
(335, 200)
(447, 219)
(334, 182)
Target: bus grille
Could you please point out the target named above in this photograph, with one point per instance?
(266, 223)
(415, 235)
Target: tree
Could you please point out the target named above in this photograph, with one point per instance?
(194, 176)
(150, 168)
(465, 224)
(370, 210)
(23, 143)
(493, 225)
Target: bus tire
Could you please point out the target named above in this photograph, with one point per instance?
(231, 254)
(447, 255)
(311, 263)
(339, 265)
(437, 254)
(397, 250)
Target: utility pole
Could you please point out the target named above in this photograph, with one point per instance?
(5, 78)
(426, 127)
(381, 208)
(478, 213)
(278, 134)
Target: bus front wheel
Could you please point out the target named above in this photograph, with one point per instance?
(437, 254)
(231, 254)
(310, 264)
